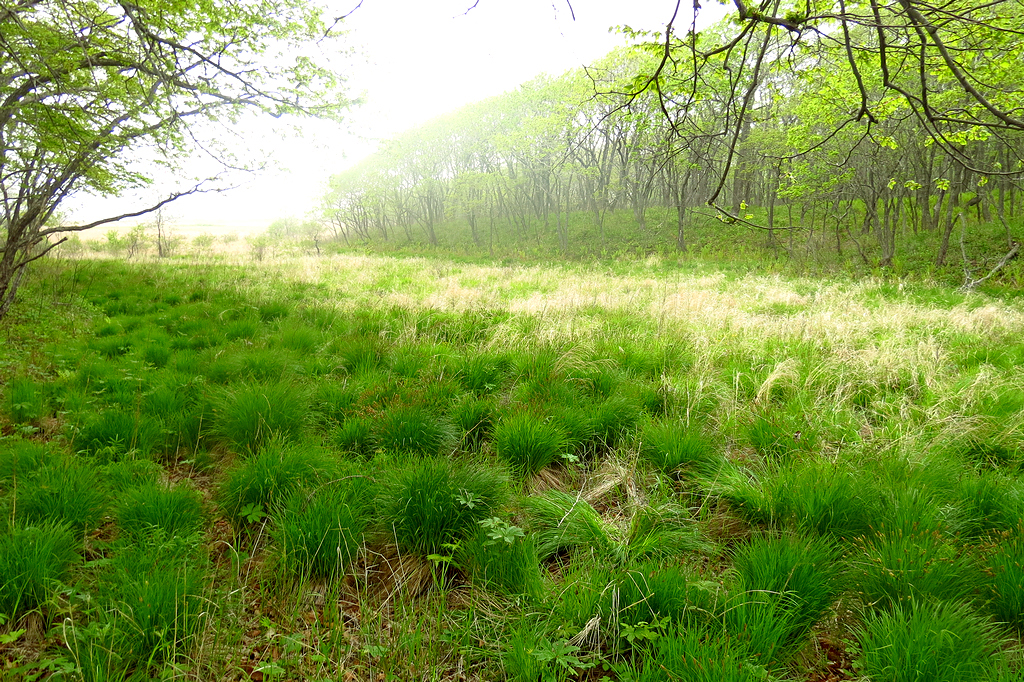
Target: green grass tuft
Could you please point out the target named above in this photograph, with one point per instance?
(413, 429)
(256, 487)
(934, 641)
(319, 532)
(34, 560)
(671, 447)
(527, 443)
(432, 503)
(246, 416)
(63, 492)
(176, 511)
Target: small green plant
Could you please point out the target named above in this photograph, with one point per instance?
(500, 556)
(805, 573)
(354, 435)
(671, 447)
(319, 533)
(414, 430)
(908, 562)
(696, 655)
(434, 502)
(1005, 587)
(614, 418)
(259, 484)
(559, 660)
(34, 560)
(156, 592)
(175, 511)
(475, 418)
(527, 443)
(68, 493)
(563, 522)
(935, 641)
(248, 415)
(19, 458)
(114, 433)
(24, 400)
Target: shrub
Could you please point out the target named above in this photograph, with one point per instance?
(174, 511)
(527, 443)
(433, 502)
(257, 486)
(32, 560)
(249, 415)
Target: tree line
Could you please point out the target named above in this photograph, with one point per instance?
(847, 128)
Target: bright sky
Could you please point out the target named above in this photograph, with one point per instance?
(416, 59)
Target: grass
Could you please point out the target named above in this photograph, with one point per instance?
(430, 505)
(344, 465)
(249, 415)
(65, 493)
(34, 562)
(928, 640)
(527, 443)
(319, 532)
(672, 448)
(255, 488)
(149, 508)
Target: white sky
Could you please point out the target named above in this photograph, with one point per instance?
(417, 59)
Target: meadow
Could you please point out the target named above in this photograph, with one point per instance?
(362, 467)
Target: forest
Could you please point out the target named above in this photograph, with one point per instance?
(834, 140)
(702, 363)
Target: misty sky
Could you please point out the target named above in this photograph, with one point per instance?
(413, 60)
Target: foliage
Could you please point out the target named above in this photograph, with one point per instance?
(66, 492)
(176, 511)
(33, 561)
(527, 443)
(249, 415)
(268, 478)
(928, 640)
(319, 532)
(431, 503)
(86, 86)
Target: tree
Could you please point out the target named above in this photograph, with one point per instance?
(90, 87)
(956, 66)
